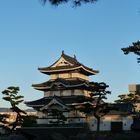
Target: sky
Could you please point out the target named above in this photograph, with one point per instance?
(32, 36)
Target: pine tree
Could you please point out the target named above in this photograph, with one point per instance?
(11, 95)
(75, 2)
(135, 48)
(94, 105)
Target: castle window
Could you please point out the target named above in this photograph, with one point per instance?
(61, 92)
(72, 92)
(51, 93)
(70, 75)
(56, 93)
(57, 76)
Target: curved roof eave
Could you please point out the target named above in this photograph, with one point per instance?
(90, 72)
(66, 86)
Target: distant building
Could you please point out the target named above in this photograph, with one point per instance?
(12, 115)
(134, 88)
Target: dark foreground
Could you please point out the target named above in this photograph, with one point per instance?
(80, 136)
(69, 133)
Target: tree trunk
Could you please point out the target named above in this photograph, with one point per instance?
(98, 124)
(14, 124)
(98, 128)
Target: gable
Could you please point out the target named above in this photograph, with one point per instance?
(54, 104)
(61, 62)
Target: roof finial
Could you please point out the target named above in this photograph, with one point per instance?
(74, 56)
(62, 52)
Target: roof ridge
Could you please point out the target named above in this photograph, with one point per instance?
(67, 57)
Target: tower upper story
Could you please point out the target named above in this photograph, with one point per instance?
(68, 67)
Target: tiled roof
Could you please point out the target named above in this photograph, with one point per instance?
(122, 108)
(65, 83)
(66, 100)
(70, 59)
(75, 65)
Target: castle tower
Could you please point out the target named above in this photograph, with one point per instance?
(68, 86)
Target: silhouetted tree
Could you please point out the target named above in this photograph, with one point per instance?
(95, 105)
(75, 2)
(135, 48)
(131, 98)
(11, 95)
(100, 108)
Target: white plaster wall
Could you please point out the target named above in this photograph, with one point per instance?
(66, 93)
(57, 93)
(127, 122)
(51, 93)
(79, 75)
(47, 94)
(92, 123)
(74, 117)
(86, 93)
(105, 124)
(69, 75)
(78, 92)
(42, 121)
(53, 76)
(65, 75)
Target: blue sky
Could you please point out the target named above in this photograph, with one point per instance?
(32, 36)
